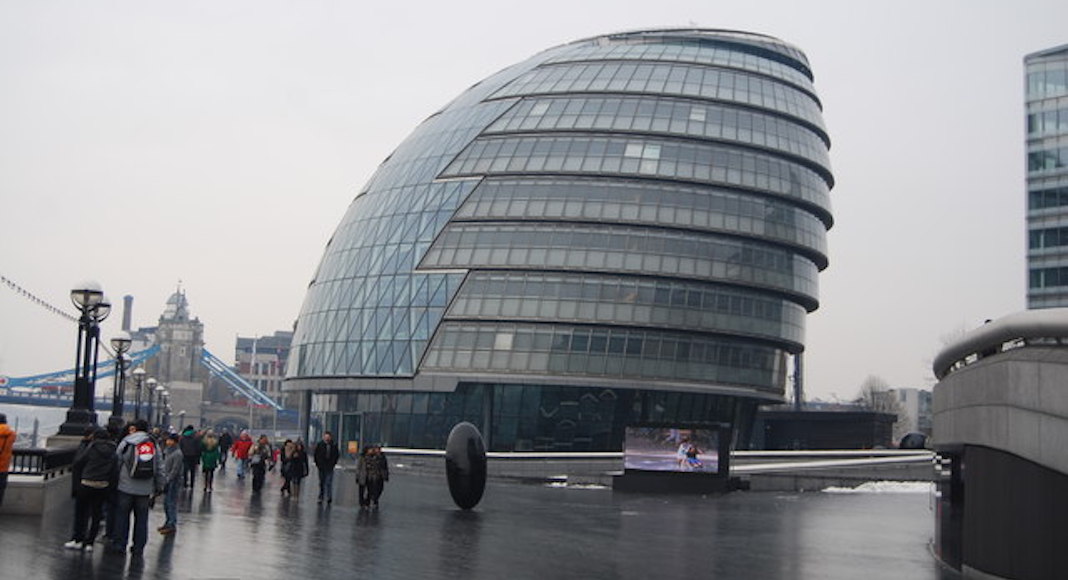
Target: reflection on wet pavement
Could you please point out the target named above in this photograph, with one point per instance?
(518, 531)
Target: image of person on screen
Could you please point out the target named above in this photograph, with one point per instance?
(693, 462)
(682, 452)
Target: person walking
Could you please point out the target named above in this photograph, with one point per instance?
(287, 455)
(210, 452)
(326, 457)
(115, 432)
(140, 476)
(173, 468)
(361, 479)
(377, 474)
(95, 463)
(298, 467)
(190, 444)
(226, 441)
(7, 449)
(240, 452)
(260, 457)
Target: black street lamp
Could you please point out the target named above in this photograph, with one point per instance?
(121, 344)
(160, 392)
(139, 380)
(164, 409)
(94, 308)
(150, 384)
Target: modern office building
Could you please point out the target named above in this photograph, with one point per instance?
(1047, 177)
(621, 230)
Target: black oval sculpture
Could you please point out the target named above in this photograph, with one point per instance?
(465, 465)
(913, 441)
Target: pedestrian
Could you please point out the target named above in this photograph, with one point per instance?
(76, 470)
(173, 469)
(95, 463)
(7, 447)
(210, 453)
(260, 458)
(240, 451)
(226, 441)
(287, 455)
(377, 474)
(116, 432)
(298, 467)
(190, 444)
(140, 476)
(326, 457)
(361, 479)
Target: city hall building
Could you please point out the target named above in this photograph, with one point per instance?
(623, 230)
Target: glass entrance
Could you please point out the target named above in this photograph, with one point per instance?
(350, 434)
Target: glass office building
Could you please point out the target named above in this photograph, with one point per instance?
(621, 230)
(1047, 177)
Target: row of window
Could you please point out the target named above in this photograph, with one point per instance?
(521, 417)
(668, 79)
(386, 291)
(1050, 80)
(695, 53)
(662, 204)
(355, 357)
(634, 250)
(1048, 277)
(627, 301)
(1048, 159)
(623, 353)
(1047, 238)
(657, 158)
(1053, 122)
(668, 116)
(1047, 198)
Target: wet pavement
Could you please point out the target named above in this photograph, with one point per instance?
(520, 530)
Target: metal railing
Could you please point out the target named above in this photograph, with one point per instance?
(47, 463)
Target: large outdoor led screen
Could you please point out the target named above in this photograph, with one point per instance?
(671, 449)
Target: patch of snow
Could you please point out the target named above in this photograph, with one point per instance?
(885, 487)
(575, 485)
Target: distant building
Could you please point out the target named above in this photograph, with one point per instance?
(915, 406)
(262, 362)
(1047, 177)
(786, 429)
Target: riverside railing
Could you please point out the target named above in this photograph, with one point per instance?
(46, 463)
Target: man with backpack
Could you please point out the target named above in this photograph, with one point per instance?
(140, 476)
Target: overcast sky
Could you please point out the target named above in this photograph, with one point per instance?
(219, 143)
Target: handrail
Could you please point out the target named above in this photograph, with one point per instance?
(43, 462)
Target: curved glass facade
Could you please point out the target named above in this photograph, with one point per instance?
(620, 230)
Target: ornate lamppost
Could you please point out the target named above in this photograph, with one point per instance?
(121, 343)
(139, 380)
(94, 308)
(160, 391)
(165, 411)
(150, 384)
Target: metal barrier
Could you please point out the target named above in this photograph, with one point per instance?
(47, 463)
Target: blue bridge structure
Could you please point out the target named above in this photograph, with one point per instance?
(56, 389)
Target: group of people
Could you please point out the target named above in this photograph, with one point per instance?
(120, 474)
